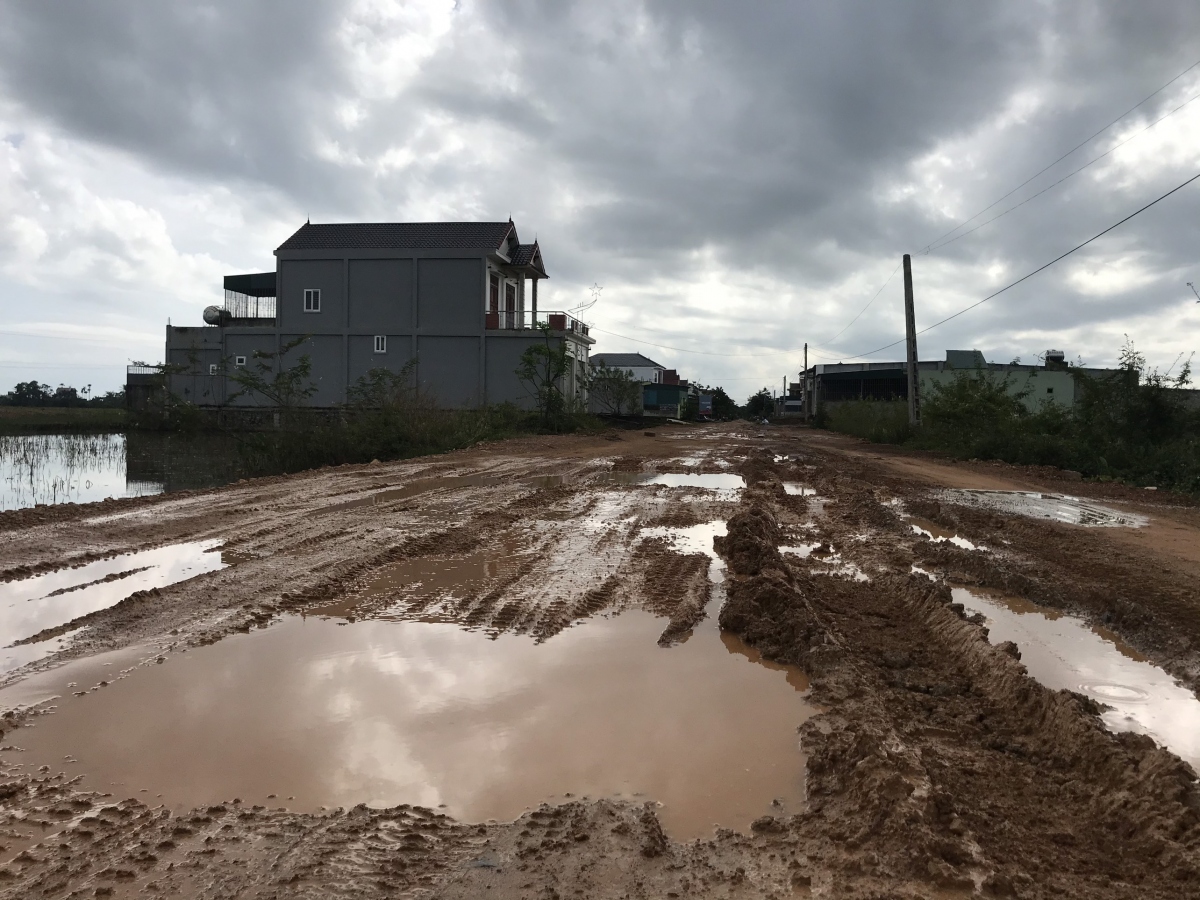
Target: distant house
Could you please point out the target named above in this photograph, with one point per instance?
(1051, 382)
(459, 298)
(640, 368)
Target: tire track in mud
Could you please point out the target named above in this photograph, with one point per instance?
(938, 765)
(939, 758)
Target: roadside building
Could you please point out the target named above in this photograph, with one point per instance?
(455, 301)
(640, 368)
(1052, 381)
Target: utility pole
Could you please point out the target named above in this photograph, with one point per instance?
(804, 381)
(910, 325)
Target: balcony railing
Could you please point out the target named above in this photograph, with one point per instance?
(518, 320)
(244, 306)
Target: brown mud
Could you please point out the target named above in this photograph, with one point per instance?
(939, 767)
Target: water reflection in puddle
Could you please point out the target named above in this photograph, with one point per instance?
(938, 534)
(718, 481)
(795, 489)
(31, 605)
(1056, 507)
(389, 712)
(1062, 652)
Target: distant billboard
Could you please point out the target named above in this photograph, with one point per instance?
(706, 404)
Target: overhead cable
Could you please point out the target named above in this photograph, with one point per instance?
(1082, 143)
(1035, 271)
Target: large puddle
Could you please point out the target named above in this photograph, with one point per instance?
(1056, 507)
(325, 711)
(31, 605)
(1063, 652)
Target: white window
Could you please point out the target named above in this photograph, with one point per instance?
(312, 300)
(381, 343)
(212, 368)
(239, 361)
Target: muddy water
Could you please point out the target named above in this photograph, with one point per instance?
(796, 489)
(938, 534)
(31, 605)
(1063, 652)
(322, 712)
(1056, 507)
(721, 481)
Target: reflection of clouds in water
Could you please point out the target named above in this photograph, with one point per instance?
(1056, 507)
(1064, 653)
(29, 605)
(391, 712)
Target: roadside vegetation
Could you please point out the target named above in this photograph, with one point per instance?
(1137, 426)
(387, 415)
(32, 406)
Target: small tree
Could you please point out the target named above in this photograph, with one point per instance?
(285, 387)
(542, 370)
(723, 406)
(760, 405)
(615, 390)
(29, 393)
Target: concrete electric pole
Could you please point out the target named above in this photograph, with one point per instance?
(910, 325)
(804, 381)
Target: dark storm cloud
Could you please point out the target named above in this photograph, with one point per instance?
(633, 137)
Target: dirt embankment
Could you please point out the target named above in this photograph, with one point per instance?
(938, 768)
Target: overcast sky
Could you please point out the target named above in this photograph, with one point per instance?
(740, 178)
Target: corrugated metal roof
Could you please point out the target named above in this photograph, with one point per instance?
(624, 361)
(399, 236)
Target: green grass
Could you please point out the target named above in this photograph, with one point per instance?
(881, 422)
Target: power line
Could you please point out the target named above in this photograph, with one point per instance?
(698, 352)
(936, 246)
(864, 309)
(1064, 156)
(1035, 271)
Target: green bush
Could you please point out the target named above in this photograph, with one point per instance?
(1134, 425)
(879, 421)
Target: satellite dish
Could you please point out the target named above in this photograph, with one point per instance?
(212, 315)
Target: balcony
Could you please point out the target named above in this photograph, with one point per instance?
(523, 320)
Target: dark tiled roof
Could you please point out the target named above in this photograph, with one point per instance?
(623, 360)
(399, 236)
(523, 255)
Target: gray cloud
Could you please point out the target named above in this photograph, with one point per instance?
(781, 156)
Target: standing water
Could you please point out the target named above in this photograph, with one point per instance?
(329, 711)
(84, 468)
(1063, 653)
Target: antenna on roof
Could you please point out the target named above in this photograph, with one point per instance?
(308, 220)
(1194, 291)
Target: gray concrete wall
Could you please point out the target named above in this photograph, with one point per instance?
(327, 276)
(381, 296)
(328, 364)
(448, 370)
(450, 296)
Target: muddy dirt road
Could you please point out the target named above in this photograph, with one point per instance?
(705, 662)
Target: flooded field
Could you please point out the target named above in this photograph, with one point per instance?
(83, 468)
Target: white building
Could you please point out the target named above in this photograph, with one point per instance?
(640, 368)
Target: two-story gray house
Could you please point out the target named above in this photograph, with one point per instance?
(461, 298)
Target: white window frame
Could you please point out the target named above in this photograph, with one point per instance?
(381, 343)
(239, 361)
(312, 300)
